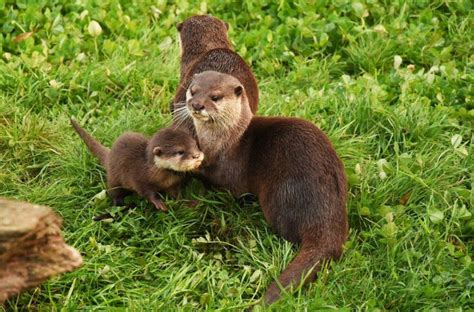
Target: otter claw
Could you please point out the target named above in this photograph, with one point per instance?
(160, 205)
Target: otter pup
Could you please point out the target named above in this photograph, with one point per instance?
(288, 163)
(205, 46)
(146, 166)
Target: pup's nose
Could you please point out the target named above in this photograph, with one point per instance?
(197, 107)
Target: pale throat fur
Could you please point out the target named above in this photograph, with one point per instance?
(162, 177)
(220, 130)
(177, 164)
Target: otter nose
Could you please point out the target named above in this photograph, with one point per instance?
(197, 106)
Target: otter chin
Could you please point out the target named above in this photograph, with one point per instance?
(202, 115)
(288, 163)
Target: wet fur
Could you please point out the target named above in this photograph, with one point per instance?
(293, 169)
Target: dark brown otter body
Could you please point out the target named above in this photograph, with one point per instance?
(287, 162)
(145, 166)
(205, 46)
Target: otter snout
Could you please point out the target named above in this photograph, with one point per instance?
(197, 106)
(198, 110)
(194, 162)
(198, 157)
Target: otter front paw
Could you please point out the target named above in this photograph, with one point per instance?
(159, 204)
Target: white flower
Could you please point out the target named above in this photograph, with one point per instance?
(346, 79)
(7, 56)
(83, 14)
(54, 84)
(94, 29)
(397, 61)
(380, 29)
(81, 57)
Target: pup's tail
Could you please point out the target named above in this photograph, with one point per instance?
(304, 267)
(96, 148)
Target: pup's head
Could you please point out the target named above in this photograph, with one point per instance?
(213, 97)
(202, 33)
(175, 149)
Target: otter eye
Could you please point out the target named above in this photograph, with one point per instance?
(180, 153)
(215, 98)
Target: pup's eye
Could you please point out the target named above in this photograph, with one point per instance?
(180, 153)
(215, 98)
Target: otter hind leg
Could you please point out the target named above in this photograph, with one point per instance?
(117, 194)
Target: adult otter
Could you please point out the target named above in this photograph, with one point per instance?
(146, 166)
(205, 46)
(288, 163)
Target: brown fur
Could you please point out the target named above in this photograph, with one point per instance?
(288, 163)
(131, 163)
(205, 46)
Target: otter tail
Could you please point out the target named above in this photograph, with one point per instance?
(96, 148)
(303, 268)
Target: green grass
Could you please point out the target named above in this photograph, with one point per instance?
(403, 130)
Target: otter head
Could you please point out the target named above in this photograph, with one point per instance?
(175, 150)
(201, 33)
(217, 100)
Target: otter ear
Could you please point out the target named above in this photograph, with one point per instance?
(238, 90)
(179, 26)
(157, 151)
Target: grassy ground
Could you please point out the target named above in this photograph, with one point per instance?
(390, 82)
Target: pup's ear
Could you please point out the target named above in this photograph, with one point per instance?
(179, 26)
(238, 90)
(157, 151)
